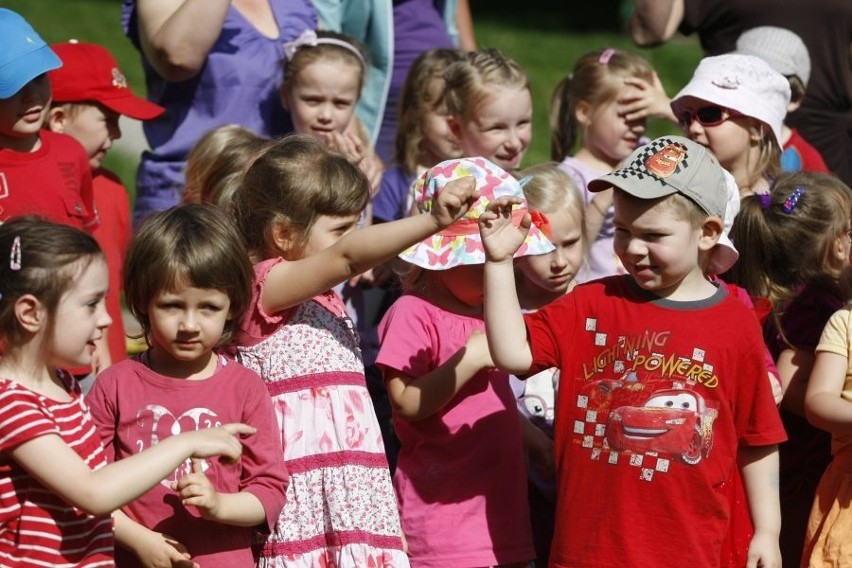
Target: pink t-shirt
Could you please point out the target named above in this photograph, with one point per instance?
(461, 474)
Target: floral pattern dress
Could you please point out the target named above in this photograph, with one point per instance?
(340, 505)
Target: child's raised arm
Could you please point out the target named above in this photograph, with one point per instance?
(824, 406)
(102, 491)
(291, 283)
(504, 322)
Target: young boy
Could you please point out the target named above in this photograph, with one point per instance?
(663, 386)
(785, 52)
(41, 173)
(89, 94)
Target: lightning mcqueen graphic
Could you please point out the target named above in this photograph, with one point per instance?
(675, 422)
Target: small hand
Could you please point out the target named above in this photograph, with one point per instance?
(454, 200)
(643, 99)
(763, 551)
(223, 441)
(163, 551)
(195, 490)
(500, 237)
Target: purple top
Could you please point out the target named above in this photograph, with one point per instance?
(238, 84)
(393, 199)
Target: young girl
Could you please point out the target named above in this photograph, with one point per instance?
(57, 491)
(322, 83)
(828, 405)
(586, 108)
(188, 281)
(297, 210)
(795, 252)
(735, 105)
(423, 137)
(460, 474)
(540, 280)
(215, 165)
(490, 107)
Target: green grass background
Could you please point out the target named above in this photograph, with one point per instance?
(546, 37)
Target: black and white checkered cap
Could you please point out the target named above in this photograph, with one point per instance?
(691, 170)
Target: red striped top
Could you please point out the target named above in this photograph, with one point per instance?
(38, 528)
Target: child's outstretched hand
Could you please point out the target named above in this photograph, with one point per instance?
(500, 237)
(195, 490)
(641, 99)
(454, 200)
(163, 551)
(223, 441)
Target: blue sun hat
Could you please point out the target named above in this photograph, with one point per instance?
(460, 243)
(24, 55)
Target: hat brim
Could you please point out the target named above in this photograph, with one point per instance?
(17, 73)
(133, 107)
(653, 188)
(722, 257)
(442, 252)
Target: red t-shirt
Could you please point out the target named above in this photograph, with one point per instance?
(134, 408)
(37, 527)
(800, 155)
(113, 235)
(54, 182)
(654, 399)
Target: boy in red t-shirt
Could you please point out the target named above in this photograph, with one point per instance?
(662, 388)
(41, 173)
(89, 94)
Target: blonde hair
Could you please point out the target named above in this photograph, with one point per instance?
(467, 80)
(597, 78)
(416, 99)
(216, 163)
(785, 242)
(293, 181)
(305, 55)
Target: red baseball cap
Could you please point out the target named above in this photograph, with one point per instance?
(89, 73)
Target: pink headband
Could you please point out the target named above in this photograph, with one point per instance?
(309, 39)
(606, 55)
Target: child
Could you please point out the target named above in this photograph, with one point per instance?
(542, 279)
(490, 107)
(460, 473)
(585, 107)
(322, 83)
(297, 209)
(44, 173)
(796, 256)
(89, 94)
(423, 137)
(214, 167)
(57, 491)
(652, 408)
(735, 105)
(188, 281)
(785, 52)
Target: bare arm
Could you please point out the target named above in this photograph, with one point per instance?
(504, 321)
(464, 23)
(416, 398)
(759, 468)
(824, 406)
(102, 491)
(291, 283)
(176, 35)
(655, 21)
(794, 367)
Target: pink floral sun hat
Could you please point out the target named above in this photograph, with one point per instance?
(460, 243)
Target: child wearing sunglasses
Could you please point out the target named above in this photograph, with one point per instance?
(735, 105)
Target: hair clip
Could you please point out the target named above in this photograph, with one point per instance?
(541, 221)
(524, 180)
(765, 200)
(793, 199)
(606, 55)
(309, 38)
(15, 254)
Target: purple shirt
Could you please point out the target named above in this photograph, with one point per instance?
(238, 84)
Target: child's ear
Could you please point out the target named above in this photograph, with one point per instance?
(284, 95)
(30, 313)
(794, 105)
(583, 113)
(56, 119)
(711, 230)
(455, 127)
(840, 250)
(284, 238)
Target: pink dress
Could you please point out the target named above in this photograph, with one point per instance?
(340, 506)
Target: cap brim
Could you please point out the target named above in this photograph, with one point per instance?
(16, 74)
(133, 107)
(632, 185)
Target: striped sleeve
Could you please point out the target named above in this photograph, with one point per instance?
(22, 417)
